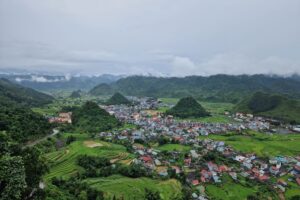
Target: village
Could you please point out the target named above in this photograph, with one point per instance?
(206, 160)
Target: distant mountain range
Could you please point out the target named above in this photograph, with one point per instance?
(59, 82)
(225, 88)
(13, 93)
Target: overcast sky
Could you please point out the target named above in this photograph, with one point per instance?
(159, 37)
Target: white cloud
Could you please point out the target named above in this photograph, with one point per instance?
(151, 36)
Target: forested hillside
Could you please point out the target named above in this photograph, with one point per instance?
(13, 92)
(187, 107)
(271, 105)
(224, 88)
(118, 99)
(91, 118)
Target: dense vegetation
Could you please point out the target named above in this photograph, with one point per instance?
(21, 170)
(187, 107)
(270, 105)
(12, 92)
(118, 99)
(222, 88)
(91, 118)
(21, 123)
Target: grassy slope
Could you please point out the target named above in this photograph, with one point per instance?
(131, 188)
(262, 144)
(63, 162)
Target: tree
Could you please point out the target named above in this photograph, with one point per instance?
(12, 177)
(151, 195)
(35, 168)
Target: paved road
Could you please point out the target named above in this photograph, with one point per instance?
(54, 132)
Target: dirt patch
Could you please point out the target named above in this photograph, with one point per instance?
(92, 144)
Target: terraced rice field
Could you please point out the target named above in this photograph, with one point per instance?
(63, 162)
(134, 188)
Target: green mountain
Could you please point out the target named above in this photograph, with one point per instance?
(102, 89)
(15, 93)
(187, 107)
(93, 119)
(223, 88)
(21, 123)
(76, 94)
(118, 99)
(271, 105)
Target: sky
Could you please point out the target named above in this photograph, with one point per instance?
(157, 37)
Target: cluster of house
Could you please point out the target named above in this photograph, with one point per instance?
(64, 117)
(153, 125)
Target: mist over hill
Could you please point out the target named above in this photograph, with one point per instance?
(46, 82)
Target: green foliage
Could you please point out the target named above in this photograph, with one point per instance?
(270, 105)
(35, 167)
(12, 177)
(187, 107)
(90, 118)
(22, 123)
(261, 102)
(118, 99)
(11, 92)
(70, 139)
(21, 171)
(151, 195)
(217, 88)
(78, 189)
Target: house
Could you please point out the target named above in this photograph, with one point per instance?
(177, 169)
(239, 158)
(281, 188)
(216, 179)
(195, 182)
(223, 168)
(233, 175)
(274, 170)
(146, 159)
(157, 162)
(194, 154)
(263, 178)
(247, 165)
(187, 161)
(282, 182)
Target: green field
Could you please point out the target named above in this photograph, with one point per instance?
(63, 162)
(229, 190)
(134, 188)
(176, 147)
(261, 144)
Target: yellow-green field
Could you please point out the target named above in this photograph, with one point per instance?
(261, 144)
(134, 188)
